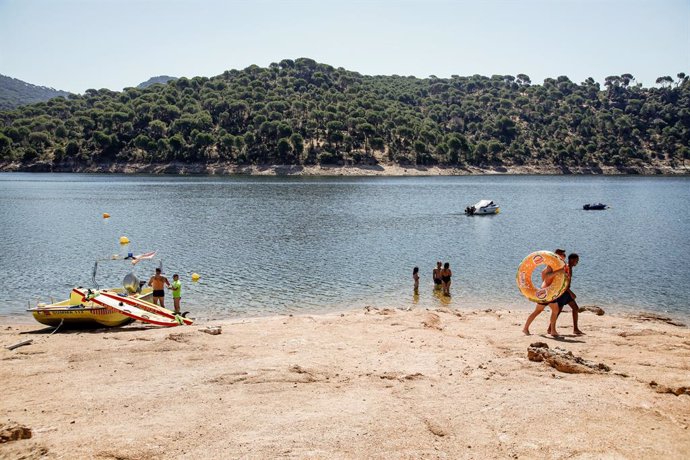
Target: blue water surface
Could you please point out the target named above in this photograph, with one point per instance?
(266, 245)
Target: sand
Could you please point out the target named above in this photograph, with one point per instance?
(369, 383)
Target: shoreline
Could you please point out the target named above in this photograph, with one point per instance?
(25, 318)
(374, 383)
(221, 169)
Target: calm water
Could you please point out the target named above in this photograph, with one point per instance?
(278, 245)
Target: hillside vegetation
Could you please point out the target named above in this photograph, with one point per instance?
(14, 93)
(303, 113)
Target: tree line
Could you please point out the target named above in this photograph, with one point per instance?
(300, 112)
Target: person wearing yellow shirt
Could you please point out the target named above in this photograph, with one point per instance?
(176, 287)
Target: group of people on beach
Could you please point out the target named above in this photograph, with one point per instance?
(441, 275)
(159, 282)
(556, 305)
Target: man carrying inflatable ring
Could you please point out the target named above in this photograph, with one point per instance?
(555, 283)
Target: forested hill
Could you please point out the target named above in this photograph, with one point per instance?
(302, 113)
(154, 80)
(14, 93)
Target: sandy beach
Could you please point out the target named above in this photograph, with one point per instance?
(369, 383)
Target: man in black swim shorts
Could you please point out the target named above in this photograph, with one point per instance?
(547, 276)
(568, 297)
(436, 274)
(158, 283)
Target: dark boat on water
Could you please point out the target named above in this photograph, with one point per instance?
(594, 207)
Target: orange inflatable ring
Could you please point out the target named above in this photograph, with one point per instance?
(524, 277)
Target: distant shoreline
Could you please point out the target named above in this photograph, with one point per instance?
(222, 169)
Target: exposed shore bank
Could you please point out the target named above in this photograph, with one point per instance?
(323, 170)
(371, 383)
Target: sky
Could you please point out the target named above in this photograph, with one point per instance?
(74, 45)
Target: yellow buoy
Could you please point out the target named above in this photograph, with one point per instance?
(106, 215)
(195, 277)
(124, 240)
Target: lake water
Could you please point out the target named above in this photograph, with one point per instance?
(265, 245)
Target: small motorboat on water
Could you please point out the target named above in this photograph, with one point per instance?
(483, 207)
(594, 207)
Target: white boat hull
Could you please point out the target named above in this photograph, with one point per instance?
(488, 210)
(483, 208)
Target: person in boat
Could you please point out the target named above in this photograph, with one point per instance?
(176, 288)
(436, 274)
(446, 275)
(547, 276)
(158, 283)
(568, 297)
(415, 277)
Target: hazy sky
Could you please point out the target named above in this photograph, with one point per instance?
(74, 45)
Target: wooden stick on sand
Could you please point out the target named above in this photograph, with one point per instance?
(20, 344)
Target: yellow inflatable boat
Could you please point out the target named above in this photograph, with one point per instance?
(76, 312)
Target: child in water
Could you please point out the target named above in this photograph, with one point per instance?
(415, 277)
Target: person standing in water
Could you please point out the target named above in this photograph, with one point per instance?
(446, 275)
(436, 274)
(158, 283)
(176, 288)
(415, 277)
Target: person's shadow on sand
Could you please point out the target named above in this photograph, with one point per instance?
(564, 338)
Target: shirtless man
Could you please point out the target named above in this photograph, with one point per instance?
(158, 283)
(568, 298)
(547, 276)
(436, 274)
